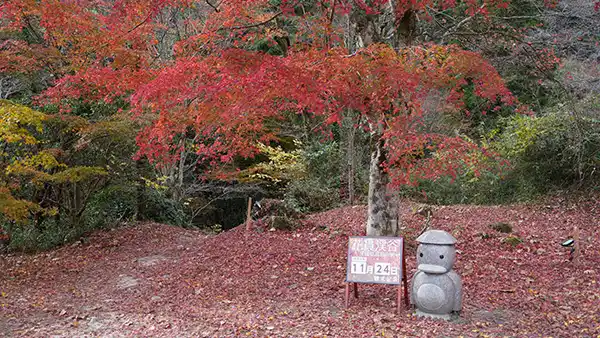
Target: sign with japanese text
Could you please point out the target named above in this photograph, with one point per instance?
(373, 259)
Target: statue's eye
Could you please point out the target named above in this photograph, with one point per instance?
(421, 254)
(441, 256)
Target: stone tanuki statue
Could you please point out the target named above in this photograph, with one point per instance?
(436, 289)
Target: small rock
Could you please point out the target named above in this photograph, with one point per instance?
(540, 251)
(467, 269)
(151, 260)
(501, 227)
(155, 298)
(94, 324)
(126, 282)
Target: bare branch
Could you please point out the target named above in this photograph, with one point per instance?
(258, 24)
(215, 7)
(458, 25)
(10, 85)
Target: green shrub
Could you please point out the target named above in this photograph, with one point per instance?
(310, 195)
(323, 163)
(49, 234)
(106, 208)
(160, 208)
(111, 205)
(546, 153)
(552, 151)
(283, 222)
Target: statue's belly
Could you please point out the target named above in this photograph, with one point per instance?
(431, 297)
(434, 294)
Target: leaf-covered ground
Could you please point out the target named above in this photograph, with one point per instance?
(157, 280)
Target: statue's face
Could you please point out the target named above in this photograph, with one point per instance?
(435, 258)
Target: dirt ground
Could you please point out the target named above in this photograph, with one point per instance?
(153, 280)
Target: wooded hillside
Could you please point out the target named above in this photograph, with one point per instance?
(136, 135)
(320, 104)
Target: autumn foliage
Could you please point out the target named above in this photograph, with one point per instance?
(226, 94)
(210, 94)
(202, 84)
(33, 180)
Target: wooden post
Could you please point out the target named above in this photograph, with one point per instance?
(249, 214)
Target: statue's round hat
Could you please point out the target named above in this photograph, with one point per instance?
(439, 237)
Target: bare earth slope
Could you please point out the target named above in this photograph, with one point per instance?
(152, 280)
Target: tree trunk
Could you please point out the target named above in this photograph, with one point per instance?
(381, 220)
(351, 163)
(348, 167)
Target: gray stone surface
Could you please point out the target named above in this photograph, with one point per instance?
(431, 315)
(436, 237)
(126, 282)
(151, 260)
(436, 289)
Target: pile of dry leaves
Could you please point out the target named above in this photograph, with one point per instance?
(158, 280)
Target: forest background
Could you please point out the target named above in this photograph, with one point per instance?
(81, 147)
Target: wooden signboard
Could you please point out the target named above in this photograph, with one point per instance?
(377, 260)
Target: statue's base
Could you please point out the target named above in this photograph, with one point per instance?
(420, 313)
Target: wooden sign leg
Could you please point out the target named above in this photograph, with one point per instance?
(404, 280)
(347, 294)
(355, 290)
(399, 299)
(406, 302)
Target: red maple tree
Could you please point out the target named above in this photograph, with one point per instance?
(186, 65)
